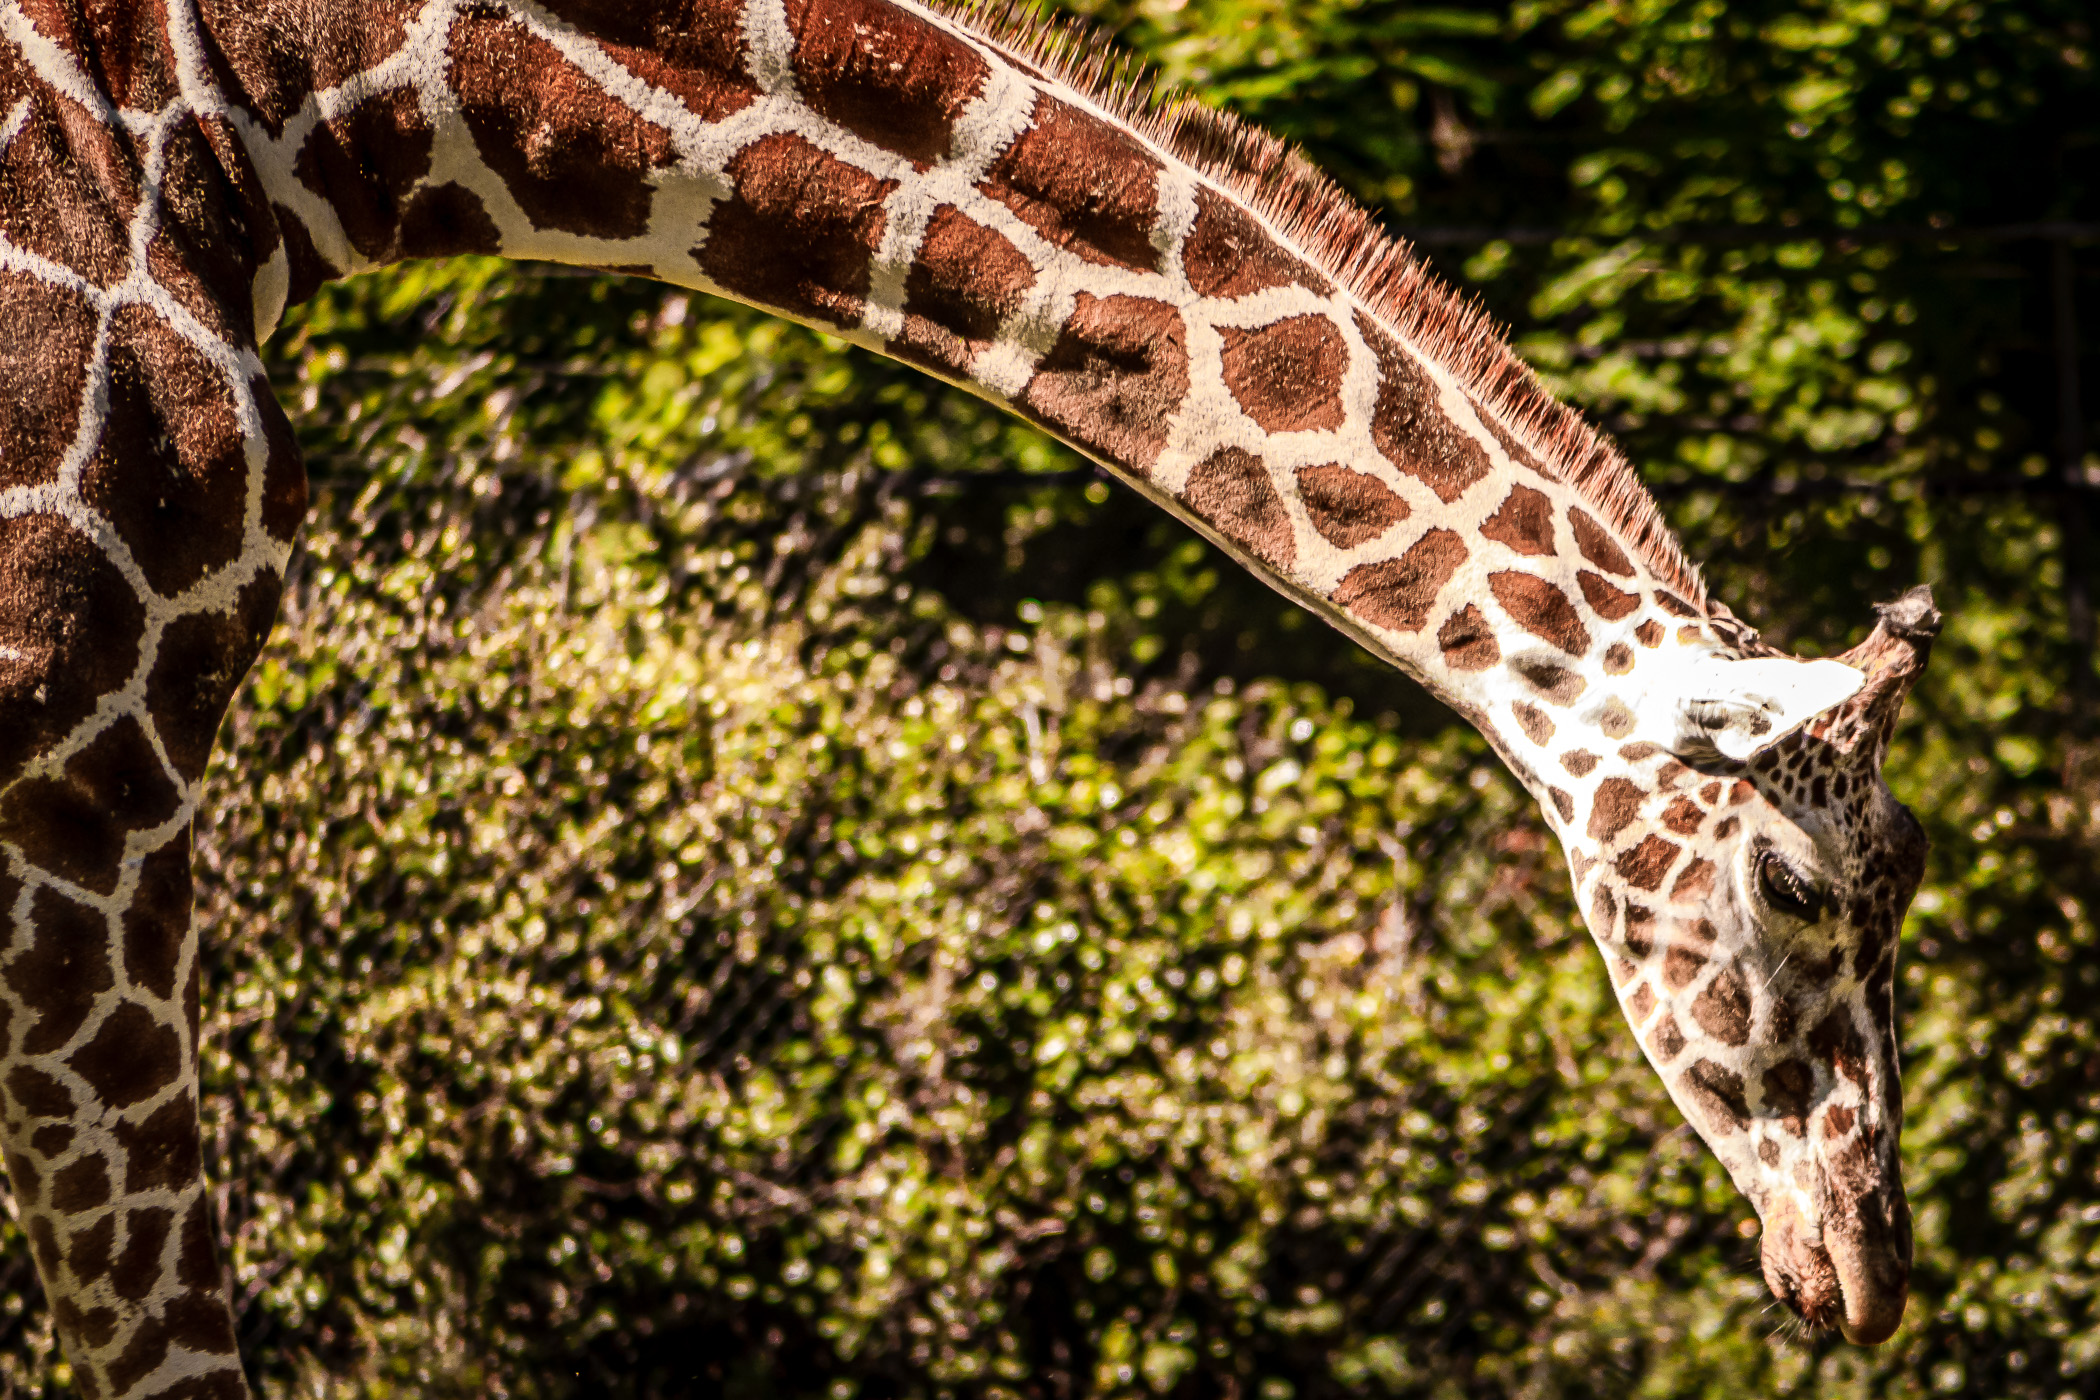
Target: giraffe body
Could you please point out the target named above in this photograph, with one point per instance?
(1175, 295)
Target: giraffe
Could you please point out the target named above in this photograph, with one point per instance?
(1175, 294)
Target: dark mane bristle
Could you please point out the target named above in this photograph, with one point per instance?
(1337, 235)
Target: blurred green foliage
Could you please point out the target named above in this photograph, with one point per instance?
(745, 873)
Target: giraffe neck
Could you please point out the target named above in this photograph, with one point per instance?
(896, 176)
(1174, 295)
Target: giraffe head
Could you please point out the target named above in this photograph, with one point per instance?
(1745, 870)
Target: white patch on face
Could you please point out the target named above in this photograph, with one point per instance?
(1695, 700)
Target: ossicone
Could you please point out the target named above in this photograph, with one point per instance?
(1891, 659)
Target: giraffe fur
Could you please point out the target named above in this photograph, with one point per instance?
(967, 190)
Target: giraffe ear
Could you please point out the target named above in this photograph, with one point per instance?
(1735, 708)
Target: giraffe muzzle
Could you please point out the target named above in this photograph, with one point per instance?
(1853, 1274)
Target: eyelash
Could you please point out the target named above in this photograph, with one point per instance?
(1787, 891)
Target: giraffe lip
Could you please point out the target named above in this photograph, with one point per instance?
(1873, 1276)
(1872, 1329)
(1849, 1277)
(1856, 1281)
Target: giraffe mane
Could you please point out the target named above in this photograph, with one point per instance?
(1275, 181)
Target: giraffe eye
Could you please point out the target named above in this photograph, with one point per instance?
(1785, 890)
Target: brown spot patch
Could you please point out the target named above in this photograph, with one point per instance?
(204, 254)
(51, 1139)
(1349, 507)
(445, 219)
(251, 36)
(1787, 1086)
(884, 74)
(1535, 723)
(1836, 1041)
(693, 50)
(138, 1263)
(1723, 1009)
(1563, 804)
(1644, 866)
(197, 1256)
(1287, 376)
(1231, 489)
(131, 58)
(1409, 427)
(1640, 935)
(1467, 642)
(1618, 659)
(1081, 183)
(70, 184)
(1666, 1041)
(1781, 1016)
(1518, 452)
(96, 1326)
(146, 1350)
(365, 163)
(1524, 522)
(200, 664)
(1696, 883)
(284, 472)
(38, 1094)
(1617, 803)
(171, 473)
(83, 1185)
(74, 825)
(43, 372)
(1118, 371)
(1617, 722)
(1683, 816)
(59, 975)
(1607, 602)
(1681, 967)
(1398, 594)
(88, 1253)
(163, 1150)
(1640, 1003)
(159, 917)
(573, 156)
(967, 280)
(1229, 255)
(790, 194)
(1718, 1093)
(1579, 762)
(200, 1322)
(132, 1057)
(1597, 545)
(23, 1176)
(1838, 1120)
(1672, 603)
(1648, 634)
(43, 1242)
(1557, 683)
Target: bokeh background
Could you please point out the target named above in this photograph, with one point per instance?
(744, 873)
